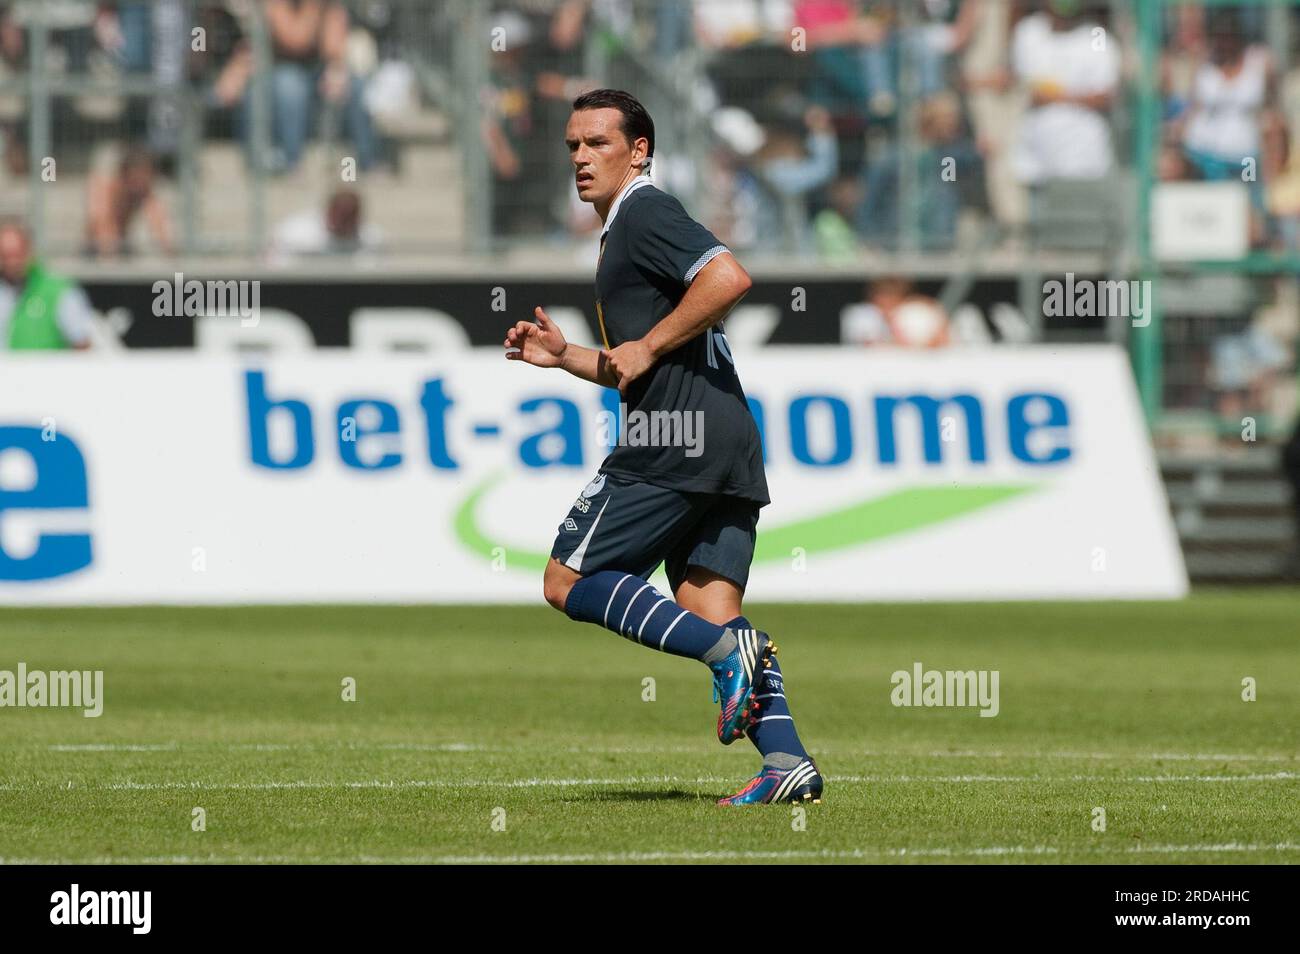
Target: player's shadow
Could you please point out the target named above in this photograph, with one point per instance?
(635, 795)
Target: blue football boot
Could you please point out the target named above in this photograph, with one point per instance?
(733, 683)
(803, 783)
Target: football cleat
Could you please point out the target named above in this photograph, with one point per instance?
(733, 683)
(803, 783)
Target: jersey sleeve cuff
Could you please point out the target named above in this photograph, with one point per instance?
(703, 260)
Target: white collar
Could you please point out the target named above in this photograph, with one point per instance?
(638, 182)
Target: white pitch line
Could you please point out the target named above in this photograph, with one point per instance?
(722, 855)
(1082, 756)
(114, 747)
(634, 780)
(664, 750)
(1270, 777)
(277, 747)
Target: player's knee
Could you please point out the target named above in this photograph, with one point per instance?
(556, 583)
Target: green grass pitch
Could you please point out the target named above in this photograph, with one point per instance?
(466, 716)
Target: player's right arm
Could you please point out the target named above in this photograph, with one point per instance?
(543, 345)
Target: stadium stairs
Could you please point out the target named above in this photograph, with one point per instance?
(1234, 515)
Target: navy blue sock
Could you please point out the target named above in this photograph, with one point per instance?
(634, 609)
(774, 733)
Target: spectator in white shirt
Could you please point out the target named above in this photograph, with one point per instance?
(1071, 68)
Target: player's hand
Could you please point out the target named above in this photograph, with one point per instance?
(541, 344)
(628, 362)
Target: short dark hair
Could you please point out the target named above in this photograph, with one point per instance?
(636, 121)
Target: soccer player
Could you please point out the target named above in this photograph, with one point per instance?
(663, 285)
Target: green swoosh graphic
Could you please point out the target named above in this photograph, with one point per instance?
(899, 512)
(876, 518)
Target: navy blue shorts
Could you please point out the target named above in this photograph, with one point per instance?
(631, 526)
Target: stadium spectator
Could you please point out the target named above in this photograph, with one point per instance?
(730, 192)
(894, 313)
(554, 61)
(851, 72)
(125, 31)
(672, 29)
(1231, 91)
(39, 310)
(944, 31)
(1282, 189)
(1233, 97)
(1071, 69)
(834, 227)
(13, 59)
(946, 163)
(13, 42)
(1243, 369)
(309, 40)
(512, 132)
(726, 24)
(114, 200)
(798, 157)
(1248, 366)
(339, 229)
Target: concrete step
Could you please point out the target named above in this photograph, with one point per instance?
(1194, 530)
(1244, 493)
(1236, 567)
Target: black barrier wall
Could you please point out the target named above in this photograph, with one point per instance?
(156, 314)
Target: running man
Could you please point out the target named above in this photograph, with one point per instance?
(663, 285)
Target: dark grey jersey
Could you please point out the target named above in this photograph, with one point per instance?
(687, 425)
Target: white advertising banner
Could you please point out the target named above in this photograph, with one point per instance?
(1007, 473)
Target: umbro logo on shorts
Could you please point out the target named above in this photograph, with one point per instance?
(570, 524)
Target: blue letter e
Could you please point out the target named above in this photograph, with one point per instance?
(60, 483)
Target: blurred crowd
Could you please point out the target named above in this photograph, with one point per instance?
(825, 116)
(826, 125)
(337, 72)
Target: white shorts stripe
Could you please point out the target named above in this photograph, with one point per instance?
(574, 562)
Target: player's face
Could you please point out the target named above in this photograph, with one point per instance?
(603, 159)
